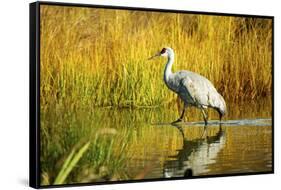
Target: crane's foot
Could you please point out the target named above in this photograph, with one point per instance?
(177, 121)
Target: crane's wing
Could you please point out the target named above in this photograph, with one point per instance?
(198, 91)
(195, 89)
(187, 91)
(202, 92)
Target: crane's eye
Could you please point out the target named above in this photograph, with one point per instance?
(163, 50)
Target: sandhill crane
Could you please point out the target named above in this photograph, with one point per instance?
(192, 88)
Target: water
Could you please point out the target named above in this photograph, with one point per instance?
(242, 143)
(236, 147)
(154, 148)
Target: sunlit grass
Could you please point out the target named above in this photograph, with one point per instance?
(99, 57)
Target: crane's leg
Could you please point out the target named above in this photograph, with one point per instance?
(220, 116)
(205, 116)
(182, 115)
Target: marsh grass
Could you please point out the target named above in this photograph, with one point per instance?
(92, 58)
(99, 56)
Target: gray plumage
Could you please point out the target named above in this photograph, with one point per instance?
(192, 88)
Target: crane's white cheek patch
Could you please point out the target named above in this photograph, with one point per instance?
(164, 54)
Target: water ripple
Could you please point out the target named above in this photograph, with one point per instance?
(240, 122)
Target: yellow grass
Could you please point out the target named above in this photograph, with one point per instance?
(99, 56)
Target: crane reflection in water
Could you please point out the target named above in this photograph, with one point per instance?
(195, 155)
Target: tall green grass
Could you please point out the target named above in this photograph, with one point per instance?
(99, 56)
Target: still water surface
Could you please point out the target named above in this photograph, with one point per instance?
(242, 143)
(154, 148)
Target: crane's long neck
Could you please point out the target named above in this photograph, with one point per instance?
(168, 68)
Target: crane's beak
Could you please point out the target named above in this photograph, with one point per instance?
(156, 55)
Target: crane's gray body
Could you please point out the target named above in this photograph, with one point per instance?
(192, 88)
(195, 90)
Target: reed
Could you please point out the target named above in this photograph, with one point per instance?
(99, 57)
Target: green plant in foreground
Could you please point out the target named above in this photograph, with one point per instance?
(70, 163)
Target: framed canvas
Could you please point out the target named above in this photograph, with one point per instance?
(122, 94)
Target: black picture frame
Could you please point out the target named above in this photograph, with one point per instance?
(34, 90)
